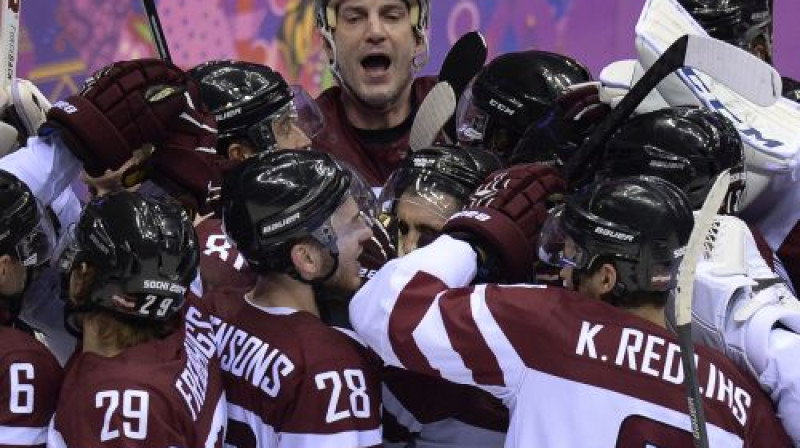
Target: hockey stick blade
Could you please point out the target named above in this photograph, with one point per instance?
(156, 30)
(699, 52)
(684, 291)
(464, 60)
(437, 107)
(9, 39)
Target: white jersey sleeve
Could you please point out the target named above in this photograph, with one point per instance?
(744, 310)
(45, 165)
(421, 277)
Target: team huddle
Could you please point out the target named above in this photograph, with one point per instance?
(497, 257)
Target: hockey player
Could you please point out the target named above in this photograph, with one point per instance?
(29, 393)
(517, 90)
(374, 47)
(131, 118)
(556, 356)
(291, 380)
(689, 147)
(255, 108)
(433, 184)
(146, 376)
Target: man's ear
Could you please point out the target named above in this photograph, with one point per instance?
(5, 262)
(306, 259)
(608, 278)
(80, 281)
(238, 151)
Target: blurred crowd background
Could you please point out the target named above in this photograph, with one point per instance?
(63, 41)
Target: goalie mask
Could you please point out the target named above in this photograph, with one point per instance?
(511, 92)
(639, 223)
(686, 146)
(253, 102)
(143, 252)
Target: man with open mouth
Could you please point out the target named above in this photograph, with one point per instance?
(374, 48)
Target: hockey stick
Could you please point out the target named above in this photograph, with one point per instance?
(437, 107)
(769, 133)
(732, 66)
(464, 60)
(9, 39)
(159, 37)
(684, 291)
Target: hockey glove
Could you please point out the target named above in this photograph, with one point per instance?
(504, 218)
(119, 109)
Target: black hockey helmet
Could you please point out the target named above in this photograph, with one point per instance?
(275, 199)
(686, 146)
(141, 248)
(26, 231)
(746, 24)
(246, 98)
(437, 170)
(511, 92)
(641, 223)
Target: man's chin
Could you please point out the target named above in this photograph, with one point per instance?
(376, 97)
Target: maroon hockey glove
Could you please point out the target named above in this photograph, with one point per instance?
(120, 108)
(505, 216)
(186, 163)
(377, 251)
(559, 133)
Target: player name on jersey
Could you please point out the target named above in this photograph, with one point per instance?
(660, 358)
(248, 357)
(192, 383)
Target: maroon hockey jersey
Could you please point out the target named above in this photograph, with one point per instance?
(292, 381)
(31, 378)
(433, 412)
(338, 138)
(572, 370)
(221, 265)
(159, 394)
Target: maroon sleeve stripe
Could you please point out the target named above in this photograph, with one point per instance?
(412, 304)
(467, 339)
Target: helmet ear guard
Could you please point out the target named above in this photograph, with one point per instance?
(613, 220)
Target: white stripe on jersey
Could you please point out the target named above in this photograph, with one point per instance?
(264, 433)
(219, 422)
(54, 438)
(434, 343)
(23, 435)
(267, 437)
(367, 438)
(512, 365)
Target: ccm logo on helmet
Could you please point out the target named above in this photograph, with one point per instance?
(501, 107)
(613, 234)
(66, 107)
